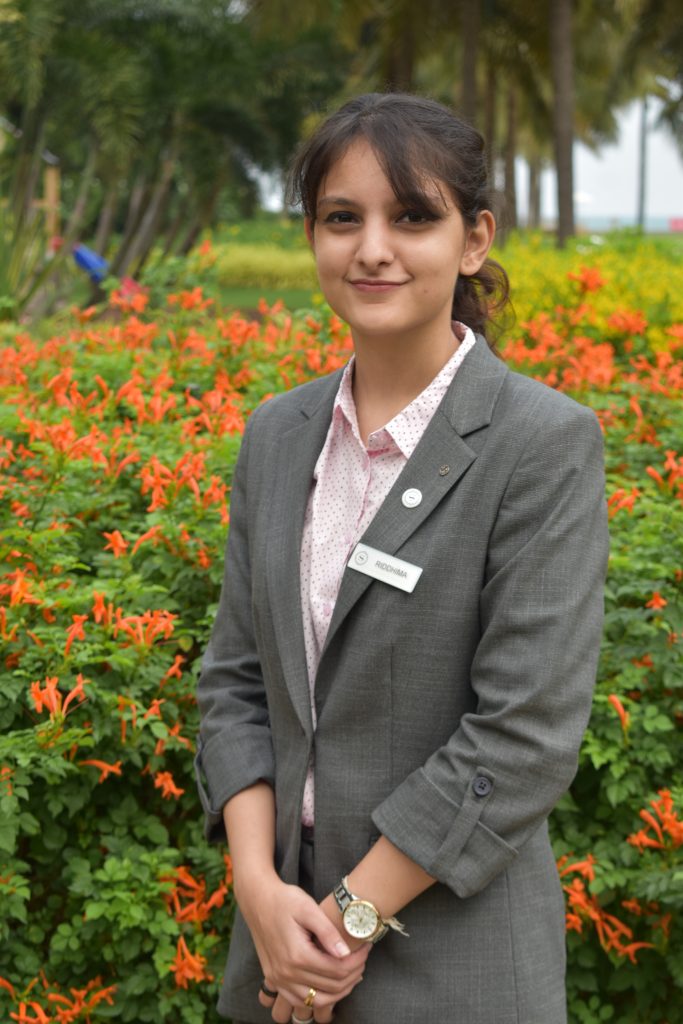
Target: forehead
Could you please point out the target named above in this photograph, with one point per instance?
(358, 170)
(355, 165)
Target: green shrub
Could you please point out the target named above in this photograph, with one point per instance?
(117, 439)
(264, 266)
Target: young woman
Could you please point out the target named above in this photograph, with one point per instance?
(402, 662)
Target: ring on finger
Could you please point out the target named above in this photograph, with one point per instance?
(271, 993)
(300, 1020)
(308, 1001)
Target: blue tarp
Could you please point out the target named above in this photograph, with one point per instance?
(95, 266)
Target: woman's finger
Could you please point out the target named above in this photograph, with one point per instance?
(267, 993)
(324, 1015)
(327, 936)
(282, 1010)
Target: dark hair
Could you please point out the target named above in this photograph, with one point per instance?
(415, 140)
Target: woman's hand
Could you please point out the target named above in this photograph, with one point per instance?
(299, 948)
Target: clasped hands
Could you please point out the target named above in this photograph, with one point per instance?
(301, 948)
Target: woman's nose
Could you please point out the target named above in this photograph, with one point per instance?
(375, 247)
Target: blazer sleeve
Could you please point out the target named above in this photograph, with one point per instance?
(465, 814)
(234, 748)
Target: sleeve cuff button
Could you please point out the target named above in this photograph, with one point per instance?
(482, 786)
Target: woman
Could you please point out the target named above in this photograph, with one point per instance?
(402, 662)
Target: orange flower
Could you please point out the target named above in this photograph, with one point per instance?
(10, 988)
(123, 703)
(667, 827)
(76, 692)
(74, 632)
(154, 710)
(656, 475)
(589, 279)
(83, 315)
(117, 543)
(191, 299)
(101, 612)
(164, 782)
(150, 534)
(188, 966)
(187, 899)
(584, 867)
(105, 769)
(84, 1001)
(20, 592)
(130, 297)
(144, 629)
(627, 321)
(47, 697)
(656, 601)
(6, 776)
(175, 671)
(630, 950)
(624, 716)
(40, 1017)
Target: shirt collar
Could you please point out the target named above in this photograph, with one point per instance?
(406, 428)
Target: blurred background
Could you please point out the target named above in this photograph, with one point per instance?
(128, 128)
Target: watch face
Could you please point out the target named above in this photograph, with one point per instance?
(361, 919)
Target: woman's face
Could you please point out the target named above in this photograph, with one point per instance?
(386, 269)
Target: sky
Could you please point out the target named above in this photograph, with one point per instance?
(606, 183)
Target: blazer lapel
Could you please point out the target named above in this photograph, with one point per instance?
(438, 462)
(299, 448)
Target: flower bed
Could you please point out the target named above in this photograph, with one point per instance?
(117, 438)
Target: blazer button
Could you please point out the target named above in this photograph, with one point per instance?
(482, 786)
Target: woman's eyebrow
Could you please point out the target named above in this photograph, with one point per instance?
(337, 201)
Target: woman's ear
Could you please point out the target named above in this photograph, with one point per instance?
(479, 239)
(308, 228)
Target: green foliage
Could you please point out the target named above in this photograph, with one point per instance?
(118, 433)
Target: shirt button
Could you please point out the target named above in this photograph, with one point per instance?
(412, 497)
(327, 609)
(482, 786)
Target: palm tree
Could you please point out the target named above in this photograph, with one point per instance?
(562, 64)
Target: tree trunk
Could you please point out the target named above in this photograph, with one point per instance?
(642, 164)
(401, 30)
(78, 212)
(176, 226)
(135, 206)
(150, 221)
(105, 222)
(401, 62)
(490, 116)
(191, 235)
(510, 154)
(27, 165)
(469, 24)
(562, 62)
(534, 216)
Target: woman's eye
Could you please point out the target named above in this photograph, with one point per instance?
(340, 217)
(414, 217)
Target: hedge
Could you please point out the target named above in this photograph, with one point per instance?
(118, 431)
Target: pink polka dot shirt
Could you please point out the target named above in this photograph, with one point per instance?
(350, 481)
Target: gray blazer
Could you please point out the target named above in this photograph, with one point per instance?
(449, 719)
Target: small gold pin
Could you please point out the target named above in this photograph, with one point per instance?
(444, 470)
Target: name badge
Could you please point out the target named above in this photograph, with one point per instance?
(386, 568)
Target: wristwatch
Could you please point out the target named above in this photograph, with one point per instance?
(361, 918)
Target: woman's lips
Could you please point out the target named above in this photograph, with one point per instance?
(365, 285)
